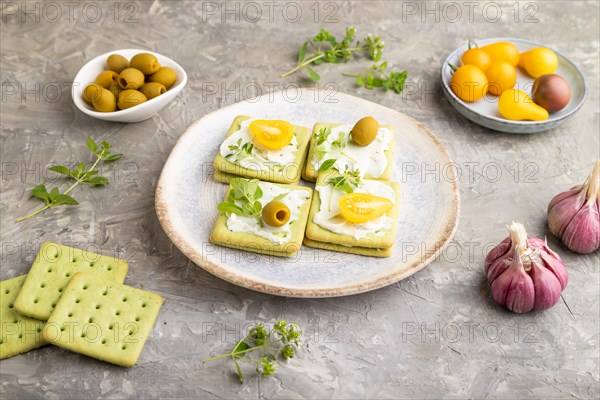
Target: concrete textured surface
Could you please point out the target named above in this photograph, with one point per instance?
(436, 334)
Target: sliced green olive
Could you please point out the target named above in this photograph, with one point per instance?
(276, 214)
(365, 131)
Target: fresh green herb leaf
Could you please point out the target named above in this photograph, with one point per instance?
(325, 165)
(61, 169)
(228, 207)
(283, 340)
(81, 174)
(313, 74)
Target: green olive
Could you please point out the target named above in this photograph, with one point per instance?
(117, 63)
(105, 102)
(164, 75)
(130, 98)
(276, 214)
(91, 91)
(145, 62)
(365, 131)
(115, 89)
(131, 78)
(105, 78)
(152, 89)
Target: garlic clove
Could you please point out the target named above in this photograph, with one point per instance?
(563, 211)
(552, 261)
(495, 261)
(582, 234)
(561, 196)
(546, 285)
(514, 289)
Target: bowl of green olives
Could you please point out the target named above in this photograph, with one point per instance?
(128, 85)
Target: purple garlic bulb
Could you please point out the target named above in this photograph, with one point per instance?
(525, 274)
(574, 215)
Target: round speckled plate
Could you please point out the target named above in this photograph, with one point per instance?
(187, 197)
(485, 111)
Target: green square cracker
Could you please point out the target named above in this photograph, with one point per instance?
(51, 270)
(222, 236)
(18, 334)
(290, 174)
(102, 319)
(316, 233)
(310, 174)
(362, 251)
(225, 177)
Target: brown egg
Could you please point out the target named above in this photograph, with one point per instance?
(552, 92)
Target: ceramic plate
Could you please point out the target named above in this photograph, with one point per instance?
(485, 111)
(187, 197)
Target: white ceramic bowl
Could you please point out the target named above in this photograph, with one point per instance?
(485, 111)
(91, 69)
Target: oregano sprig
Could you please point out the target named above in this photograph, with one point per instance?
(378, 77)
(82, 174)
(282, 341)
(247, 193)
(324, 47)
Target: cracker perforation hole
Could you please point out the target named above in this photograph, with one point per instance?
(7, 291)
(124, 299)
(10, 305)
(91, 320)
(105, 293)
(77, 301)
(123, 347)
(137, 319)
(35, 301)
(92, 264)
(43, 285)
(85, 287)
(97, 306)
(53, 305)
(49, 269)
(70, 314)
(38, 330)
(118, 313)
(103, 341)
(60, 290)
(109, 268)
(68, 274)
(110, 327)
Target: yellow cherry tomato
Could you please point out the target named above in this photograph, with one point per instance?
(469, 83)
(539, 61)
(271, 134)
(477, 57)
(516, 105)
(501, 76)
(503, 51)
(359, 208)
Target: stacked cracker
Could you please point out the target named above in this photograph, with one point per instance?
(306, 231)
(76, 300)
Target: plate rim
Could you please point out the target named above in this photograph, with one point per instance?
(446, 235)
(519, 124)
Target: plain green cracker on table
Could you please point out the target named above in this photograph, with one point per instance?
(52, 269)
(102, 319)
(18, 333)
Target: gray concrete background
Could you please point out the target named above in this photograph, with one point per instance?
(436, 334)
